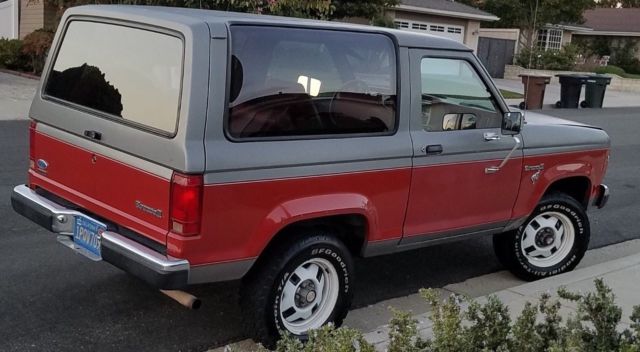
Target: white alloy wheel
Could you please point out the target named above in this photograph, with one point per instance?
(309, 296)
(548, 239)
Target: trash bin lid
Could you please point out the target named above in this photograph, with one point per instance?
(572, 78)
(599, 79)
(533, 75)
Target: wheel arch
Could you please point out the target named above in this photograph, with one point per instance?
(577, 187)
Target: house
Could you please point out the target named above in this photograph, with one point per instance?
(21, 17)
(446, 18)
(617, 25)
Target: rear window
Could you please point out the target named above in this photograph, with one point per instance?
(128, 74)
(288, 82)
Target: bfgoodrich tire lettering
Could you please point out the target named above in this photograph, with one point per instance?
(551, 241)
(299, 286)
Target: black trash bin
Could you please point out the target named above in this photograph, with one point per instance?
(595, 88)
(570, 88)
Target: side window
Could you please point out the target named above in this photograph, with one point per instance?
(454, 97)
(308, 82)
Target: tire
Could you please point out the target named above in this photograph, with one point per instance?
(551, 241)
(522, 105)
(558, 104)
(584, 104)
(285, 278)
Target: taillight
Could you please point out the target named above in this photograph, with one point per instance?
(186, 203)
(32, 144)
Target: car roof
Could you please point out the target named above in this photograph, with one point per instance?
(187, 16)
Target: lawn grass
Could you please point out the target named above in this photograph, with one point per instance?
(507, 94)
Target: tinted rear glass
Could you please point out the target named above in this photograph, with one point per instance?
(128, 73)
(305, 82)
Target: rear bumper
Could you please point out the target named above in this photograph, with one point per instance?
(603, 196)
(152, 267)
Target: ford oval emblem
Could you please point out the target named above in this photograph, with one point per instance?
(42, 164)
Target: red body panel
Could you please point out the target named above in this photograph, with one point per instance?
(239, 219)
(456, 196)
(591, 164)
(103, 186)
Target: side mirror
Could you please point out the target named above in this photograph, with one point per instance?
(511, 123)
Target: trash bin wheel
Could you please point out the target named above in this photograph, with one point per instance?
(558, 104)
(584, 104)
(522, 106)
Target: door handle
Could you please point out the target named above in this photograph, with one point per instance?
(491, 136)
(494, 169)
(433, 149)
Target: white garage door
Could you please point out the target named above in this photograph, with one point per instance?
(443, 30)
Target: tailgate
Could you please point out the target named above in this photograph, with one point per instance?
(127, 193)
(116, 117)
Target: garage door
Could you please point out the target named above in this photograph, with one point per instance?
(443, 30)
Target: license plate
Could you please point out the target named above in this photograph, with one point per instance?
(86, 236)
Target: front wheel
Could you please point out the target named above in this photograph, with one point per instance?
(551, 241)
(302, 286)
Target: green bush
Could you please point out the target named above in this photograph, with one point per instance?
(11, 56)
(488, 327)
(36, 46)
(611, 69)
(563, 59)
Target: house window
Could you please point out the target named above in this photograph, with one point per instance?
(550, 39)
(401, 24)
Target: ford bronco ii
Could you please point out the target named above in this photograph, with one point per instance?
(192, 146)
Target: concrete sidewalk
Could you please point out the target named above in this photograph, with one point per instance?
(618, 265)
(612, 98)
(16, 93)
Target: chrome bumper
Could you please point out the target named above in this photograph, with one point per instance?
(603, 196)
(155, 268)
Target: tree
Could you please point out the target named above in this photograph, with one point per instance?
(317, 9)
(531, 15)
(618, 3)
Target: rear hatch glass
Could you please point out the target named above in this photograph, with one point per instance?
(128, 75)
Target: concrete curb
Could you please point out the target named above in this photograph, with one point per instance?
(21, 74)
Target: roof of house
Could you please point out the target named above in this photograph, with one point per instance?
(447, 8)
(613, 20)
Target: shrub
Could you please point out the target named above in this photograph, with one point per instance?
(36, 46)
(488, 327)
(563, 59)
(611, 69)
(11, 55)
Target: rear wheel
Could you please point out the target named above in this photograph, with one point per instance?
(552, 240)
(298, 287)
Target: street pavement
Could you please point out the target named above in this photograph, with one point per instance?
(16, 94)
(54, 300)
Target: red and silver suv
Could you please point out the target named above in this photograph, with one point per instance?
(191, 146)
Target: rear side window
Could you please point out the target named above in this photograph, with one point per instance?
(128, 74)
(307, 82)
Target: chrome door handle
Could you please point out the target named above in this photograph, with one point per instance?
(491, 136)
(494, 169)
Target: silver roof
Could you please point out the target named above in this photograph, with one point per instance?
(157, 15)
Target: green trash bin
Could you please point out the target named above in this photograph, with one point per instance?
(596, 86)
